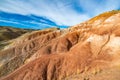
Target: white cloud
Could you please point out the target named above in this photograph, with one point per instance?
(95, 7)
(59, 11)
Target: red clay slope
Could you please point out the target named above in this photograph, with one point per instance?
(87, 51)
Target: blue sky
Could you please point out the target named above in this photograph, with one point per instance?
(40, 14)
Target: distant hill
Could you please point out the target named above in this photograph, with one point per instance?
(7, 33)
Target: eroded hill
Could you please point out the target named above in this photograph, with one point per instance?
(87, 51)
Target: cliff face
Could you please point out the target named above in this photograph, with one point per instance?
(87, 51)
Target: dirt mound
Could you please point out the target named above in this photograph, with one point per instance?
(87, 51)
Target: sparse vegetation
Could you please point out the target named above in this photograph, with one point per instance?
(104, 15)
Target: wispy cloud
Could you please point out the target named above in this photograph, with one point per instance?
(60, 12)
(28, 21)
(6, 21)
